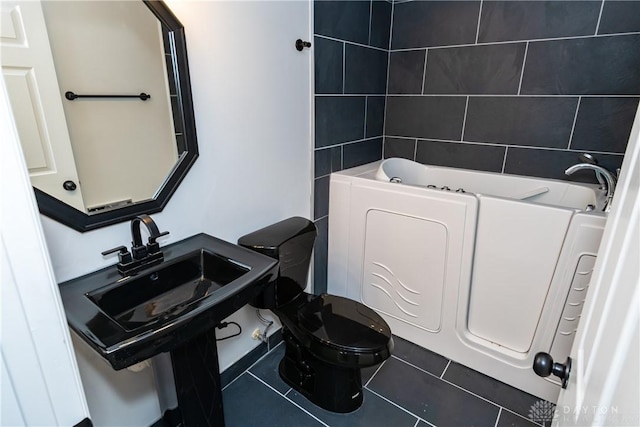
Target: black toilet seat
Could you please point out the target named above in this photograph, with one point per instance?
(345, 332)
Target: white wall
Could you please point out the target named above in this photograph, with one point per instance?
(249, 87)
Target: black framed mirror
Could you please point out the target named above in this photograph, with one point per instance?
(180, 95)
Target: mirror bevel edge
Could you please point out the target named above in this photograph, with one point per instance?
(79, 221)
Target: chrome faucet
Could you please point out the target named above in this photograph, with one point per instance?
(141, 255)
(609, 179)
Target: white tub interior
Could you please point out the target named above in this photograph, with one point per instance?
(485, 277)
(557, 193)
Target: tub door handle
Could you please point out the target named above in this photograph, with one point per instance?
(544, 366)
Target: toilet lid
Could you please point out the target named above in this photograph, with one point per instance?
(344, 324)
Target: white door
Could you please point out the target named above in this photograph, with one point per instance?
(604, 383)
(39, 378)
(30, 77)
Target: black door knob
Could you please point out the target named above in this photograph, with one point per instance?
(69, 185)
(301, 44)
(544, 366)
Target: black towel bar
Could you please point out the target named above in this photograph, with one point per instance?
(71, 96)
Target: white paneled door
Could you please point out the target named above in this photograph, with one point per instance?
(604, 382)
(39, 378)
(35, 97)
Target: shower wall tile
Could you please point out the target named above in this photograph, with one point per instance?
(328, 65)
(320, 256)
(327, 160)
(461, 155)
(431, 117)
(375, 116)
(434, 23)
(620, 17)
(526, 20)
(339, 119)
(488, 69)
(365, 70)
(532, 121)
(360, 153)
(345, 20)
(552, 163)
(405, 72)
(399, 147)
(321, 197)
(351, 42)
(586, 66)
(380, 23)
(604, 124)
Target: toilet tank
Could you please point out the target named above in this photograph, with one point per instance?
(290, 242)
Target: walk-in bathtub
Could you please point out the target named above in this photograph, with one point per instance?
(486, 269)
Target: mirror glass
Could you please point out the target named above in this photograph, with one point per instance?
(101, 96)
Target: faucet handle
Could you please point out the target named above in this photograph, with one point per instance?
(124, 257)
(153, 246)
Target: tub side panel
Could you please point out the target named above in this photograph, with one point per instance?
(338, 246)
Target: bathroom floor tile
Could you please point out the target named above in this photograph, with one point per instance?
(248, 402)
(500, 393)
(374, 412)
(367, 373)
(267, 369)
(404, 390)
(418, 356)
(430, 398)
(509, 419)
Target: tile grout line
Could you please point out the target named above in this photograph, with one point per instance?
(630, 33)
(289, 400)
(370, 15)
(504, 160)
(350, 42)
(364, 130)
(478, 27)
(424, 70)
(417, 422)
(342, 144)
(495, 144)
(445, 369)
(599, 18)
(374, 374)
(398, 406)
(573, 126)
(473, 95)
(415, 149)
(498, 417)
(344, 66)
(386, 90)
(464, 119)
(524, 61)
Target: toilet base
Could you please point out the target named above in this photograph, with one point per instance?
(331, 387)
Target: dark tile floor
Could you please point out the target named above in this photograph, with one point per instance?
(414, 387)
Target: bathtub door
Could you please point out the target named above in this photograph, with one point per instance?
(604, 380)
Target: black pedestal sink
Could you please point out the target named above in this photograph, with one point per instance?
(171, 307)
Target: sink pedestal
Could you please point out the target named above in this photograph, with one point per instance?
(197, 378)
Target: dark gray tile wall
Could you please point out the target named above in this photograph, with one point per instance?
(513, 86)
(351, 48)
(509, 86)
